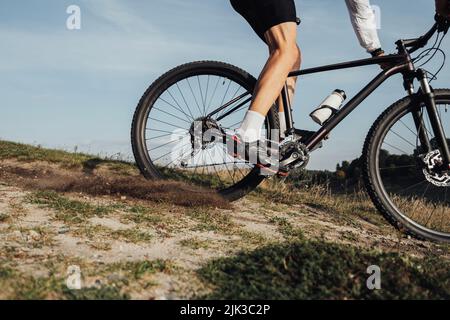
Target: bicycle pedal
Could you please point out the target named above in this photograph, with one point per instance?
(283, 174)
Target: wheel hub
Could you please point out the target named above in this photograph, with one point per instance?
(433, 161)
(204, 132)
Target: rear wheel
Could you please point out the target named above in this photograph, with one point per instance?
(175, 107)
(404, 179)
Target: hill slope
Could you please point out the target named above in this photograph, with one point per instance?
(139, 239)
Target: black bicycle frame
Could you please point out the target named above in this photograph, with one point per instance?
(398, 63)
(401, 63)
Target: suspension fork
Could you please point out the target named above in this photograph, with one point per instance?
(422, 133)
(436, 124)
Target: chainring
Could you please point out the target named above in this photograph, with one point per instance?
(294, 155)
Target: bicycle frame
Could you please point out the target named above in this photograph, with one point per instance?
(400, 63)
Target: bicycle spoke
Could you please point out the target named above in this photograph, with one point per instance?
(414, 186)
(169, 124)
(161, 136)
(398, 149)
(193, 95)
(399, 167)
(225, 95)
(233, 96)
(163, 145)
(213, 95)
(148, 129)
(209, 165)
(398, 135)
(184, 99)
(409, 129)
(176, 102)
(168, 103)
(172, 115)
(201, 93)
(155, 160)
(215, 169)
(176, 108)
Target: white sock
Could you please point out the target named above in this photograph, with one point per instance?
(283, 127)
(251, 127)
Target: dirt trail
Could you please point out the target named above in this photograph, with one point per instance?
(44, 231)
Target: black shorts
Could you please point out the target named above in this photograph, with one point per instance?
(265, 14)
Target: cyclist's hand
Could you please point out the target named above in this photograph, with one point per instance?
(380, 53)
(443, 8)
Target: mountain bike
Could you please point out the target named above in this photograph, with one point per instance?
(405, 158)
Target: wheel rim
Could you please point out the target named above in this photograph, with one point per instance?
(411, 185)
(167, 132)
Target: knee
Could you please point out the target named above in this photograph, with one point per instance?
(290, 52)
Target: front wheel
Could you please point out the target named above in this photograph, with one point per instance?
(403, 177)
(168, 135)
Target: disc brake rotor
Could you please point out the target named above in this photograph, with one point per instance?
(433, 161)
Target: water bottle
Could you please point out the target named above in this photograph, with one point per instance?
(329, 107)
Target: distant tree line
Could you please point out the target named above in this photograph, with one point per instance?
(348, 174)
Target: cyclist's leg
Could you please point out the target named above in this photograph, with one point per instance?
(292, 81)
(285, 54)
(291, 85)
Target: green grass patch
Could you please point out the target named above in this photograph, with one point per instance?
(23, 152)
(151, 216)
(3, 217)
(6, 272)
(132, 235)
(346, 206)
(138, 269)
(287, 229)
(28, 153)
(94, 293)
(320, 270)
(68, 210)
(194, 243)
(210, 220)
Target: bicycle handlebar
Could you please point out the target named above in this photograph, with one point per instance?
(416, 44)
(442, 24)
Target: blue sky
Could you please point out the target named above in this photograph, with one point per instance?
(63, 88)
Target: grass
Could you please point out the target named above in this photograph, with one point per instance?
(321, 270)
(68, 210)
(140, 214)
(138, 269)
(133, 236)
(23, 152)
(194, 243)
(286, 228)
(101, 293)
(3, 217)
(28, 153)
(16, 285)
(210, 220)
(19, 286)
(43, 236)
(345, 206)
(256, 267)
(154, 217)
(101, 237)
